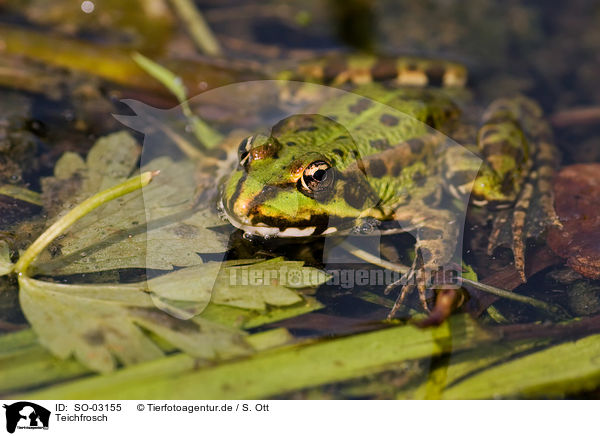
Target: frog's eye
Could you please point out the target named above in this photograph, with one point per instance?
(317, 177)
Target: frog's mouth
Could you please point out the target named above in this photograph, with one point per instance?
(268, 231)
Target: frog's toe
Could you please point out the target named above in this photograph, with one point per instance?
(406, 289)
(417, 277)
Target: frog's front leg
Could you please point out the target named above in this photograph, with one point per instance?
(436, 231)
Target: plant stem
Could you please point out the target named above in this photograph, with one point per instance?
(197, 27)
(547, 307)
(77, 213)
(372, 259)
(205, 134)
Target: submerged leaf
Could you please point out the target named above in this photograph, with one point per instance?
(93, 324)
(100, 325)
(266, 283)
(257, 286)
(154, 229)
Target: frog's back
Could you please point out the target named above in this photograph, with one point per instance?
(380, 117)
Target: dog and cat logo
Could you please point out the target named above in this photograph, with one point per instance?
(26, 415)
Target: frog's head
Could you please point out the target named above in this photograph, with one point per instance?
(299, 181)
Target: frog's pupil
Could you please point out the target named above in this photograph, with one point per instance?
(320, 175)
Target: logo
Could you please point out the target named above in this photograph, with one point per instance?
(26, 415)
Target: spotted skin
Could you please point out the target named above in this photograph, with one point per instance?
(380, 155)
(363, 69)
(529, 182)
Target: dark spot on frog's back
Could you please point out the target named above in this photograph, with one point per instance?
(503, 148)
(360, 106)
(290, 143)
(397, 168)
(379, 144)
(419, 178)
(389, 120)
(353, 195)
(377, 168)
(301, 122)
(416, 145)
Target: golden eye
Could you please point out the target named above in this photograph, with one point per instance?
(318, 176)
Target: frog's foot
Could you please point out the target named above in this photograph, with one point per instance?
(533, 210)
(519, 155)
(516, 219)
(426, 277)
(414, 278)
(437, 235)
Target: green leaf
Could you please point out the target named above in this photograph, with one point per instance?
(265, 284)
(248, 319)
(154, 229)
(92, 324)
(256, 287)
(552, 372)
(100, 324)
(449, 369)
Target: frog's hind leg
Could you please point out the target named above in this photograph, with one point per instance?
(437, 236)
(519, 164)
(360, 69)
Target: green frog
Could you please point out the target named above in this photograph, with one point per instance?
(391, 154)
